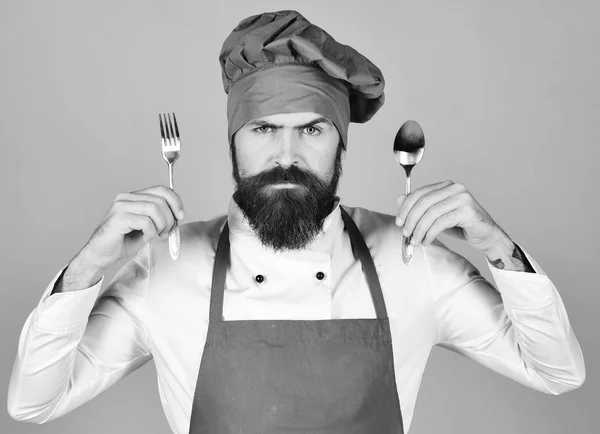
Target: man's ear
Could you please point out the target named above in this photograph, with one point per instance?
(343, 155)
(232, 146)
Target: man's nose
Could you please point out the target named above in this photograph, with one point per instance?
(287, 150)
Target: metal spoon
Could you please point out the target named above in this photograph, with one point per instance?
(409, 146)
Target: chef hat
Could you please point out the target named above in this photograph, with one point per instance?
(278, 62)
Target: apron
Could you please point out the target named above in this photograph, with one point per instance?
(297, 376)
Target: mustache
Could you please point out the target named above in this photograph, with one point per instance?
(292, 174)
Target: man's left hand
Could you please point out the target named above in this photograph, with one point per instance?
(448, 207)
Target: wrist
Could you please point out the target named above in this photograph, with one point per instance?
(506, 255)
(81, 273)
(86, 267)
(502, 248)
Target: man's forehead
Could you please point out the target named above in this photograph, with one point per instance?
(290, 119)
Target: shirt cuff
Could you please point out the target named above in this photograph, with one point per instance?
(65, 310)
(524, 290)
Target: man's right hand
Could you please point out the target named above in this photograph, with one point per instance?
(134, 219)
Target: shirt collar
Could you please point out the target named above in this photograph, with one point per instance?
(240, 227)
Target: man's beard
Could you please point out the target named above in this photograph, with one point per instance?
(286, 218)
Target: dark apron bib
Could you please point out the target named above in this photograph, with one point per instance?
(297, 377)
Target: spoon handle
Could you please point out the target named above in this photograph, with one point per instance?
(407, 248)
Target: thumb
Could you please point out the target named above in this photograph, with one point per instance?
(400, 199)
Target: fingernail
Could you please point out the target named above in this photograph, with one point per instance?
(413, 242)
(181, 215)
(399, 221)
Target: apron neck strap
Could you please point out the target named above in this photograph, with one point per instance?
(359, 250)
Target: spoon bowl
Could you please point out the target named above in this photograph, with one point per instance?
(409, 145)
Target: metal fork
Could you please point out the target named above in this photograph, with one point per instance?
(170, 150)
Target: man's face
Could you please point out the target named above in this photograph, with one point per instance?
(307, 140)
(287, 168)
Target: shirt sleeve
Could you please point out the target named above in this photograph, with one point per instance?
(519, 329)
(74, 345)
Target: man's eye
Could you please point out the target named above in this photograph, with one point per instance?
(263, 129)
(311, 131)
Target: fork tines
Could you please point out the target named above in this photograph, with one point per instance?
(170, 138)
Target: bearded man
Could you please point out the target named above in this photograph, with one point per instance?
(291, 313)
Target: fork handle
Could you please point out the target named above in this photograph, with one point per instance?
(174, 240)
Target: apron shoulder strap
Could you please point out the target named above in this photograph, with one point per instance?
(220, 267)
(362, 253)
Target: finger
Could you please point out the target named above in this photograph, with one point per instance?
(414, 197)
(171, 196)
(431, 216)
(173, 199)
(155, 207)
(444, 222)
(141, 223)
(424, 203)
(399, 201)
(151, 197)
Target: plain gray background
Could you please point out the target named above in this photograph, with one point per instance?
(506, 92)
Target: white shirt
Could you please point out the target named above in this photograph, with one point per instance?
(158, 308)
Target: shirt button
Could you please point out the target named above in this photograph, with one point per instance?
(320, 275)
(259, 278)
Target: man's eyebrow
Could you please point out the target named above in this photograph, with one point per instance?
(322, 119)
(263, 123)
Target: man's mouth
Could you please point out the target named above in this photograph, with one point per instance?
(284, 185)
